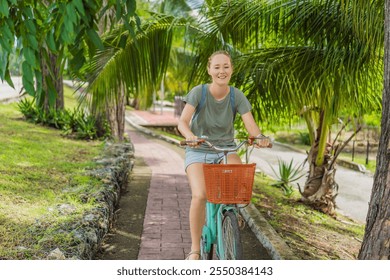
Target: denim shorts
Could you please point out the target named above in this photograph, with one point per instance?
(202, 157)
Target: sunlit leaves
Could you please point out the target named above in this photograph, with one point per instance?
(4, 9)
(53, 25)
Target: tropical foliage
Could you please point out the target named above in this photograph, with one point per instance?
(137, 64)
(52, 35)
(287, 174)
(74, 122)
(134, 66)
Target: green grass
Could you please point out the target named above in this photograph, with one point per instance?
(40, 170)
(309, 233)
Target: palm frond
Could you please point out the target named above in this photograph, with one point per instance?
(135, 64)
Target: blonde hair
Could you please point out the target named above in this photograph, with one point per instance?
(219, 52)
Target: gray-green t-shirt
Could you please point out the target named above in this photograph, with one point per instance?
(215, 119)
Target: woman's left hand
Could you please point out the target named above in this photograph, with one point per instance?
(262, 141)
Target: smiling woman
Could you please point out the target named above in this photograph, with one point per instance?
(210, 112)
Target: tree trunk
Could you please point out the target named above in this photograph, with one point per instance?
(115, 113)
(376, 242)
(320, 189)
(121, 113)
(51, 102)
(115, 107)
(58, 82)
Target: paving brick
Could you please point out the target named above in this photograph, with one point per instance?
(149, 257)
(175, 237)
(172, 254)
(150, 244)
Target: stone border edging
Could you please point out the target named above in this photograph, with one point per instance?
(114, 169)
(10, 100)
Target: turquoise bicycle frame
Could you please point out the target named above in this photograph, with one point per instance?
(214, 216)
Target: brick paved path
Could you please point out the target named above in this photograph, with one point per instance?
(166, 234)
(167, 117)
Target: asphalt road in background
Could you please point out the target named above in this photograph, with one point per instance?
(7, 91)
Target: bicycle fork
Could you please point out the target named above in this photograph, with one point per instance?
(212, 230)
(209, 232)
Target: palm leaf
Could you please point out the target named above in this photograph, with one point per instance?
(138, 64)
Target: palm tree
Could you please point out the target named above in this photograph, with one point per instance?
(311, 58)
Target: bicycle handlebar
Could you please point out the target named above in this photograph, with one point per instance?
(220, 149)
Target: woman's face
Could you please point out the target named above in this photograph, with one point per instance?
(220, 69)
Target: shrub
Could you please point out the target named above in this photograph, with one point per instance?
(287, 174)
(75, 123)
(304, 138)
(27, 108)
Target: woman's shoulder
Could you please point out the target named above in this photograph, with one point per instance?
(237, 91)
(198, 87)
(194, 95)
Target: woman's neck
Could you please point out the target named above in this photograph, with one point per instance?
(218, 91)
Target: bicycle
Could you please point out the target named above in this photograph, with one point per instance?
(227, 185)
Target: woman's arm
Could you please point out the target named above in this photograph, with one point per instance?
(184, 123)
(250, 124)
(254, 130)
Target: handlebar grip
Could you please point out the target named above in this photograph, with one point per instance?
(251, 140)
(185, 142)
(269, 146)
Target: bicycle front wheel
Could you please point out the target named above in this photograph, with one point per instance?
(231, 240)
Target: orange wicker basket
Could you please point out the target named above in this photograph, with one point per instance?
(229, 183)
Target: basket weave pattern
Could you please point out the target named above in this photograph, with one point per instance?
(229, 183)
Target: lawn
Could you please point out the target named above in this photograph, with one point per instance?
(43, 185)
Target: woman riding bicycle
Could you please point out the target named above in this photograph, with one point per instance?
(210, 111)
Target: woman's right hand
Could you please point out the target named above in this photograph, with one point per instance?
(192, 141)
